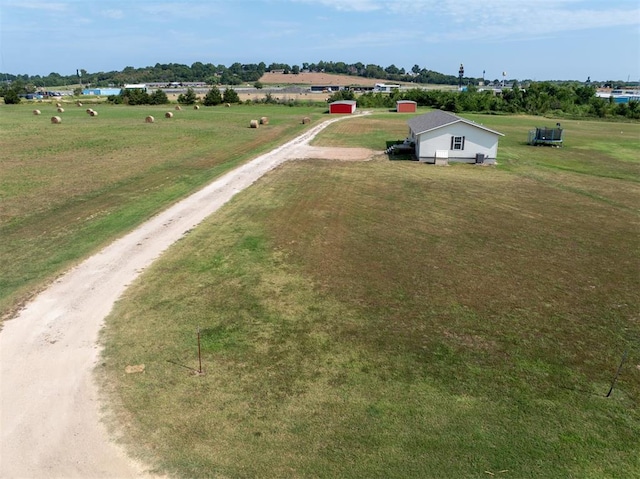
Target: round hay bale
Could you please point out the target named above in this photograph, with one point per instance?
(88, 110)
(228, 105)
(253, 124)
(149, 119)
(264, 120)
(178, 107)
(306, 120)
(93, 113)
(56, 119)
(79, 103)
(196, 107)
(168, 115)
(60, 110)
(58, 105)
(36, 112)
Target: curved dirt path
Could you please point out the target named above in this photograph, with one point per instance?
(50, 420)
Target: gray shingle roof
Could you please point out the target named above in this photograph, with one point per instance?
(437, 119)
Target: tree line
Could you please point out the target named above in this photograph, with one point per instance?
(235, 74)
(238, 73)
(136, 96)
(539, 98)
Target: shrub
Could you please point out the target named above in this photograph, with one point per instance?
(188, 98)
(230, 96)
(11, 97)
(158, 97)
(135, 97)
(342, 95)
(213, 97)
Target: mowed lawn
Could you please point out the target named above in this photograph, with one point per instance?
(389, 319)
(68, 189)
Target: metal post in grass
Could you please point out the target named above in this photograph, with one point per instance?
(615, 378)
(199, 354)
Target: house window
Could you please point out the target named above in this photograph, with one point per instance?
(457, 142)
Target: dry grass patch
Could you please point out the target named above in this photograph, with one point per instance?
(67, 190)
(390, 319)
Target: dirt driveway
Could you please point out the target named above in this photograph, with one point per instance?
(50, 409)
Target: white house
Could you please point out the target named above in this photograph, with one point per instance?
(440, 137)
(136, 86)
(385, 88)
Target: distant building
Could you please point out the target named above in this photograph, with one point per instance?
(619, 96)
(101, 91)
(324, 88)
(385, 88)
(406, 106)
(343, 106)
(136, 86)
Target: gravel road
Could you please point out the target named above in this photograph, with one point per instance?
(50, 410)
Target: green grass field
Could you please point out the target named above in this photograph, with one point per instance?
(379, 319)
(393, 319)
(68, 189)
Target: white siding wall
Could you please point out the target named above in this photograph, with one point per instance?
(476, 141)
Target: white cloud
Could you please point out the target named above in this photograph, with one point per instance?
(174, 10)
(38, 5)
(348, 5)
(113, 14)
(278, 29)
(497, 21)
(498, 18)
(365, 40)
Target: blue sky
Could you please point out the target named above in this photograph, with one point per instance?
(538, 40)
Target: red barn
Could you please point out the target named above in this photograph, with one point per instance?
(343, 106)
(406, 106)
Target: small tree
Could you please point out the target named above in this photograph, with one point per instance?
(258, 85)
(12, 92)
(230, 96)
(158, 97)
(342, 95)
(134, 96)
(213, 97)
(268, 98)
(188, 98)
(11, 97)
(633, 110)
(115, 99)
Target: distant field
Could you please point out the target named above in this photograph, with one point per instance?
(318, 79)
(393, 319)
(68, 189)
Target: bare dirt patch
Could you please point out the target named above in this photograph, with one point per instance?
(317, 79)
(333, 153)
